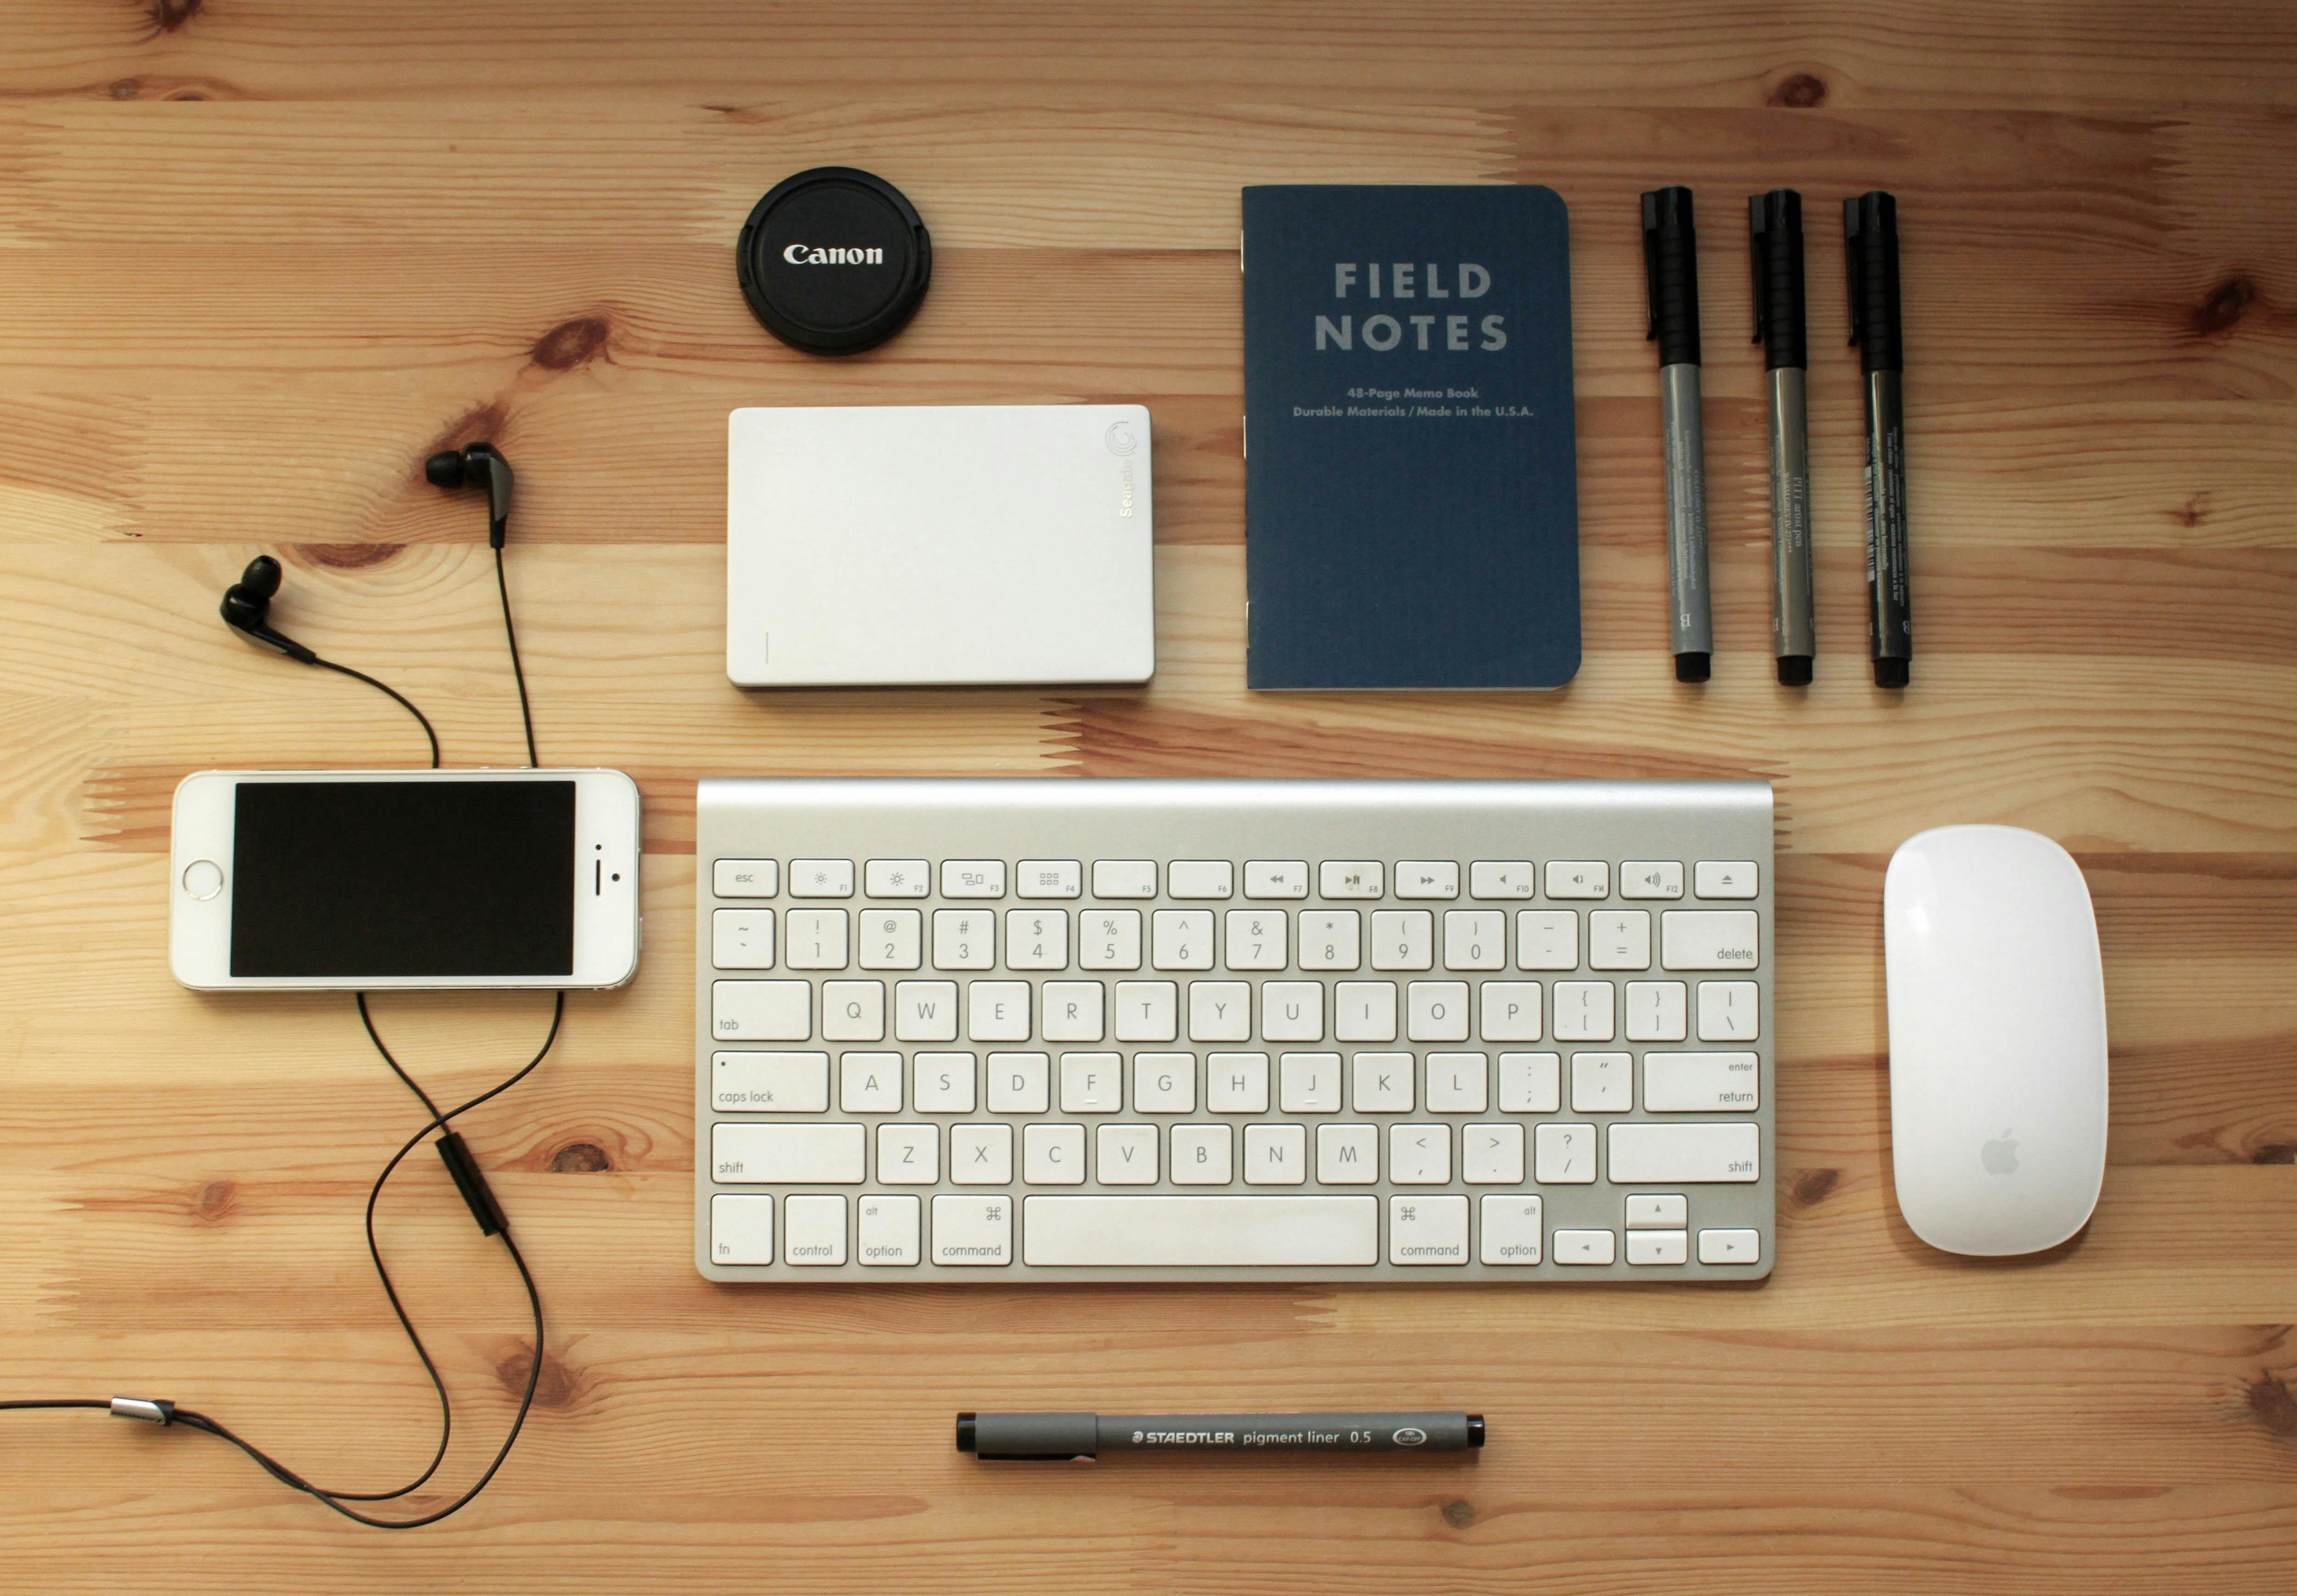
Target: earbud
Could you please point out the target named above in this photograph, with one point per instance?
(247, 604)
(477, 465)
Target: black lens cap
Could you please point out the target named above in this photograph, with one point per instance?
(833, 260)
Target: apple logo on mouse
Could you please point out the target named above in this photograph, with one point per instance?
(2000, 1156)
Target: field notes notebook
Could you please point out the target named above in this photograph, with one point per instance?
(1412, 513)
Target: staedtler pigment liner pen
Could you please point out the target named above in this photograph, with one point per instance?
(1775, 231)
(1052, 1437)
(1869, 252)
(1671, 279)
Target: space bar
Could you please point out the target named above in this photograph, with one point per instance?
(1203, 1232)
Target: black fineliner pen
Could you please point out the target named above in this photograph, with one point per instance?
(1870, 251)
(1671, 279)
(1774, 232)
(1053, 1437)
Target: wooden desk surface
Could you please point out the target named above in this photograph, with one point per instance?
(257, 260)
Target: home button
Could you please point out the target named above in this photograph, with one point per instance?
(204, 879)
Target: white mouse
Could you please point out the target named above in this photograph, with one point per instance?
(1998, 1040)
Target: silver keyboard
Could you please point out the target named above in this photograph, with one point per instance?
(1119, 1029)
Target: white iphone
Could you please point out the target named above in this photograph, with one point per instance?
(372, 879)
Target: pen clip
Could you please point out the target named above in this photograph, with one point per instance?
(1755, 232)
(1651, 266)
(1853, 266)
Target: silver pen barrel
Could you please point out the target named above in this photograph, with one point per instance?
(1690, 622)
(1794, 633)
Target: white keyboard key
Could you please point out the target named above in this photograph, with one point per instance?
(1585, 1247)
(1657, 1247)
(1329, 939)
(1292, 1010)
(1109, 939)
(1093, 1082)
(742, 939)
(746, 878)
(1547, 939)
(1457, 1082)
(1427, 1230)
(1510, 1231)
(1403, 939)
(888, 1231)
(1701, 1083)
(870, 1082)
(853, 1011)
(1351, 878)
(1180, 939)
(741, 1229)
(1164, 1084)
(909, 1154)
(1583, 1011)
(1426, 878)
(943, 1083)
(892, 939)
(1147, 1011)
(1510, 1010)
(1309, 1083)
(1531, 1082)
(1419, 1156)
(762, 1011)
(769, 1082)
(1188, 878)
(1500, 878)
(1656, 1011)
(1364, 1011)
(1236, 1083)
(1578, 878)
(1052, 1155)
(1275, 1154)
(1730, 1247)
(1237, 1232)
(980, 1155)
(925, 1011)
(1203, 1154)
(1124, 878)
(997, 1010)
(1563, 1155)
(1049, 879)
(1491, 1154)
(1436, 1011)
(1658, 1213)
(1724, 878)
(816, 939)
(1650, 878)
(1710, 939)
(897, 878)
(1728, 1011)
(1036, 939)
(1644, 1154)
(1125, 1154)
(972, 1231)
(822, 878)
(1381, 1083)
(1019, 1082)
(1220, 1011)
(1618, 939)
(1602, 1083)
(771, 1153)
(1276, 878)
(1475, 939)
(965, 938)
(973, 878)
(1257, 940)
(1072, 1010)
(814, 1227)
(1347, 1154)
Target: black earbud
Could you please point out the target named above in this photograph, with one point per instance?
(247, 604)
(473, 465)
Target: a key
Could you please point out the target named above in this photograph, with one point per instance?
(897, 878)
(1708, 939)
(1427, 1230)
(980, 1155)
(997, 1010)
(1256, 939)
(1730, 1247)
(1500, 878)
(815, 939)
(1655, 1011)
(1236, 1083)
(1275, 1154)
(1589, 1247)
(1436, 1011)
(1186, 878)
(1049, 879)
(1124, 878)
(1426, 878)
(1657, 1247)
(1475, 939)
(943, 1083)
(1602, 1083)
(1510, 1010)
(746, 878)
(1091, 1084)
(1563, 1155)
(1292, 1010)
(1547, 939)
(892, 939)
(925, 1011)
(1309, 1083)
(1727, 1010)
(1653, 1154)
(1329, 939)
(822, 878)
(1074, 1010)
(1457, 1082)
(1163, 1231)
(1019, 1082)
(1202, 1155)
(1109, 939)
(1510, 1231)
(1646, 1213)
(1650, 878)
(814, 1230)
(909, 1154)
(973, 878)
(1583, 1011)
(741, 1229)
(870, 1082)
(1618, 939)
(762, 1011)
(1274, 878)
(1164, 1082)
(1421, 1155)
(1037, 939)
(1364, 1011)
(1147, 1011)
(1403, 939)
(1531, 1082)
(1351, 878)
(1052, 1155)
(1347, 1154)
(1491, 1154)
(887, 1232)
(1220, 1011)
(972, 1231)
(1701, 1083)
(1724, 878)
(1125, 1154)
(1180, 939)
(853, 1011)
(769, 1082)
(742, 939)
(1578, 878)
(1382, 1083)
(744, 1153)
(965, 938)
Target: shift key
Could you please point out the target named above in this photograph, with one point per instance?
(1644, 1154)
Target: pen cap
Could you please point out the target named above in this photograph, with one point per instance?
(1671, 275)
(1774, 234)
(1870, 256)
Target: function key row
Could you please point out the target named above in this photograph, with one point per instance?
(1215, 879)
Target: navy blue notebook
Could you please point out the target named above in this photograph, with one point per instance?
(1412, 507)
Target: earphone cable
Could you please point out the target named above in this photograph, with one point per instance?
(517, 670)
(404, 703)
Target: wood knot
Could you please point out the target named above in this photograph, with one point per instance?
(483, 425)
(1798, 91)
(2270, 1401)
(2275, 1152)
(350, 556)
(580, 1158)
(2222, 308)
(2193, 512)
(184, 94)
(1459, 1512)
(168, 15)
(571, 343)
(1813, 1186)
(557, 1386)
(125, 88)
(216, 1201)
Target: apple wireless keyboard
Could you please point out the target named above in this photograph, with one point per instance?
(1160, 1030)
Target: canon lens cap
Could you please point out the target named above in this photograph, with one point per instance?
(833, 260)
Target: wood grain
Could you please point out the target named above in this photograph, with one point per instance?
(257, 260)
